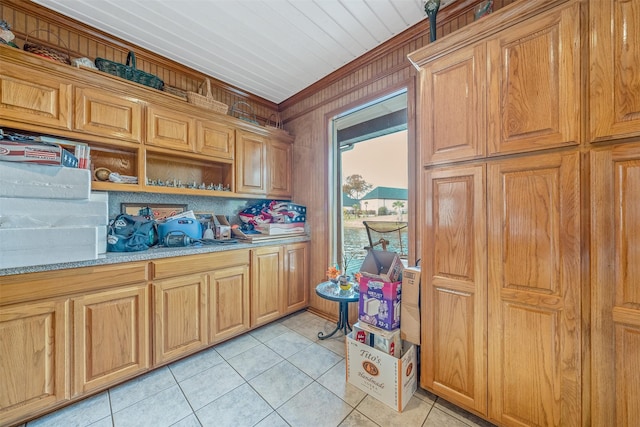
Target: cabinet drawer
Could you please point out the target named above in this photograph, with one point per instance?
(179, 266)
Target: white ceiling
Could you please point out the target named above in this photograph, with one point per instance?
(270, 48)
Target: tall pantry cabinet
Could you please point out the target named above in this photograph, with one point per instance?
(500, 118)
(614, 130)
(530, 145)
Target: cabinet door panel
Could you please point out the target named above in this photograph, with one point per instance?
(251, 163)
(229, 302)
(453, 106)
(111, 333)
(35, 98)
(615, 268)
(279, 173)
(534, 90)
(180, 316)
(33, 367)
(454, 298)
(297, 277)
(615, 67)
(170, 129)
(215, 139)
(104, 114)
(267, 301)
(534, 330)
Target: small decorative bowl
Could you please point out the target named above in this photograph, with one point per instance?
(102, 174)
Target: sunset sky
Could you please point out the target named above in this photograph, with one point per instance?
(382, 161)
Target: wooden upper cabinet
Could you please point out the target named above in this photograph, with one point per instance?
(533, 98)
(534, 290)
(102, 113)
(170, 129)
(111, 336)
(251, 163)
(34, 367)
(615, 275)
(452, 106)
(615, 69)
(34, 97)
(229, 302)
(454, 290)
(215, 139)
(279, 169)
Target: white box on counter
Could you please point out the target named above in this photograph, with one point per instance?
(386, 378)
(23, 247)
(39, 181)
(22, 212)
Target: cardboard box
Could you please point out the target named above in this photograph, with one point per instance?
(382, 265)
(388, 342)
(410, 307)
(379, 303)
(386, 378)
(223, 228)
(36, 152)
(22, 247)
(47, 182)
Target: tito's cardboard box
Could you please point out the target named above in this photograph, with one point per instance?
(390, 380)
(410, 307)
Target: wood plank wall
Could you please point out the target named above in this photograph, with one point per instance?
(45, 26)
(308, 113)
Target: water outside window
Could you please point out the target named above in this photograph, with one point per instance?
(374, 174)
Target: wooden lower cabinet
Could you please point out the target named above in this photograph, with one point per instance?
(615, 283)
(454, 296)
(534, 290)
(34, 365)
(296, 267)
(111, 336)
(67, 333)
(267, 284)
(180, 316)
(502, 323)
(228, 302)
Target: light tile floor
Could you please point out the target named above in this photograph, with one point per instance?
(278, 375)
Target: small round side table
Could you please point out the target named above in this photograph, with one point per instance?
(332, 292)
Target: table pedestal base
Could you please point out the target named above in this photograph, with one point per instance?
(343, 322)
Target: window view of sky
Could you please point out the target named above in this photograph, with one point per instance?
(382, 162)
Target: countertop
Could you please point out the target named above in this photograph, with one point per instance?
(153, 253)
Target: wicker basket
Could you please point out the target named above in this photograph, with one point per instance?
(274, 123)
(129, 72)
(175, 91)
(244, 111)
(206, 100)
(47, 52)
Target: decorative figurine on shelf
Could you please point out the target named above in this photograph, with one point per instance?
(6, 36)
(431, 8)
(482, 9)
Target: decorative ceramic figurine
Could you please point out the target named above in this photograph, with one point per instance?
(431, 8)
(483, 9)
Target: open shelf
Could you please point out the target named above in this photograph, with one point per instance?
(166, 173)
